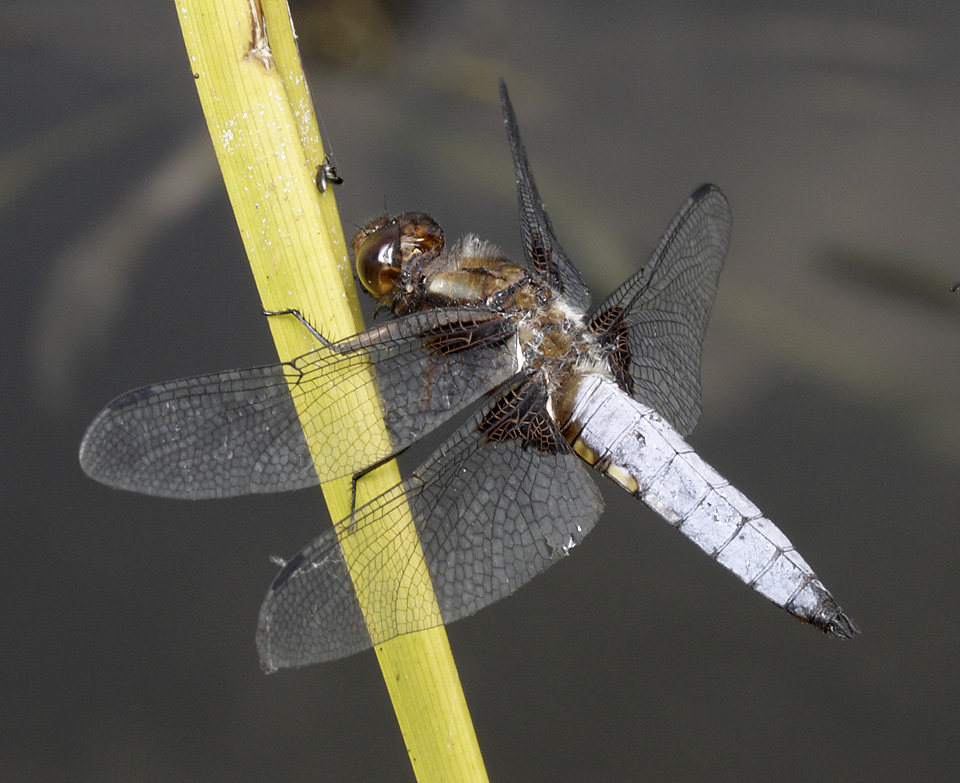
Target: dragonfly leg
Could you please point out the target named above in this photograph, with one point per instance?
(307, 325)
(359, 475)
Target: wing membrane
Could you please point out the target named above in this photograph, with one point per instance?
(237, 432)
(495, 505)
(656, 320)
(540, 246)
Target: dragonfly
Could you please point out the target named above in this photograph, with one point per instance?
(548, 386)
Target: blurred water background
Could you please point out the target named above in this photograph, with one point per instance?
(830, 386)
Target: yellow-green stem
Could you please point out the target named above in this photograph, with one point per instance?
(244, 58)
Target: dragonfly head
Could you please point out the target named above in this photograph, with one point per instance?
(386, 248)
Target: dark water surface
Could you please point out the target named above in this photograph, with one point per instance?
(830, 389)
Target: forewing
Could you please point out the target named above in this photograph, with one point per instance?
(654, 323)
(237, 432)
(540, 246)
(496, 504)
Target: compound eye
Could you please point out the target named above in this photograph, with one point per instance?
(378, 261)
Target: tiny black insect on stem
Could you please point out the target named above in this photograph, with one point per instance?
(327, 173)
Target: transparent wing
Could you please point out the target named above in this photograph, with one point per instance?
(237, 432)
(540, 246)
(496, 504)
(654, 323)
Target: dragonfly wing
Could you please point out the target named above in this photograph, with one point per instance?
(495, 505)
(654, 323)
(541, 248)
(238, 432)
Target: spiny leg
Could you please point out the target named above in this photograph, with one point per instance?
(307, 325)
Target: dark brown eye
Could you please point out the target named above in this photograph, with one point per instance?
(378, 261)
